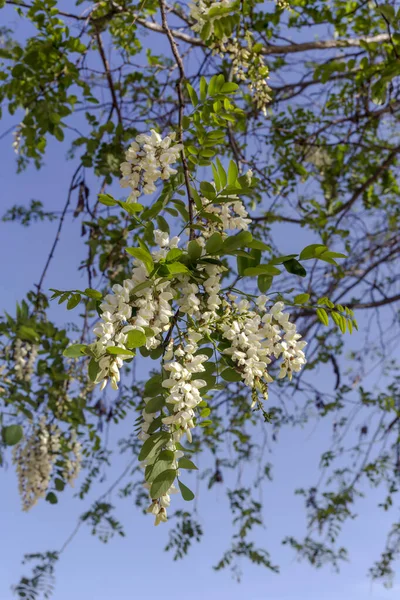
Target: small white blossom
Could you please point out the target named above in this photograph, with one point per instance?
(148, 159)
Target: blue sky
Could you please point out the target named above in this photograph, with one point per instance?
(136, 565)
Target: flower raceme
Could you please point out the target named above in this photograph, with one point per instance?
(173, 301)
(148, 159)
(36, 456)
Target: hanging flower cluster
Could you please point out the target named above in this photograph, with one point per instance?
(248, 65)
(173, 301)
(25, 355)
(231, 216)
(133, 308)
(17, 135)
(148, 159)
(35, 457)
(255, 338)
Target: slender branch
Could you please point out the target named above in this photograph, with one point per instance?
(72, 186)
(274, 48)
(181, 102)
(375, 304)
(109, 76)
(270, 49)
(344, 208)
(325, 44)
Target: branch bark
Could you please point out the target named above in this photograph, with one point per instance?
(181, 102)
(275, 48)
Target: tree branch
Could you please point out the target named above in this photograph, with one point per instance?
(109, 76)
(181, 101)
(72, 186)
(274, 48)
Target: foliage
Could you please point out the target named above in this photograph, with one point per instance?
(233, 161)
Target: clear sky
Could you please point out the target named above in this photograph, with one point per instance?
(136, 566)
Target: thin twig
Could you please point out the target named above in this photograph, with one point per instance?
(72, 186)
(109, 76)
(181, 102)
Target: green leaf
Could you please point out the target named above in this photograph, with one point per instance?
(154, 404)
(75, 351)
(187, 494)
(217, 180)
(153, 443)
(205, 412)
(93, 294)
(379, 91)
(264, 282)
(161, 462)
(293, 266)
(141, 286)
(233, 173)
(12, 434)
(194, 250)
(131, 207)
(214, 243)
(258, 245)
(312, 251)
(177, 268)
(117, 351)
(208, 190)
(73, 301)
(301, 298)
(93, 369)
(52, 498)
(173, 254)
(242, 264)
(153, 386)
(162, 483)
(231, 375)
(143, 256)
(387, 11)
(135, 339)
(59, 485)
(262, 270)
(229, 88)
(239, 240)
(279, 260)
(323, 316)
(203, 89)
(221, 173)
(192, 93)
(107, 199)
(28, 334)
(185, 463)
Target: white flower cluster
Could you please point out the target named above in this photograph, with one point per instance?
(256, 337)
(199, 12)
(183, 394)
(232, 216)
(183, 390)
(35, 456)
(72, 465)
(25, 355)
(148, 159)
(147, 310)
(17, 135)
(158, 506)
(248, 66)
